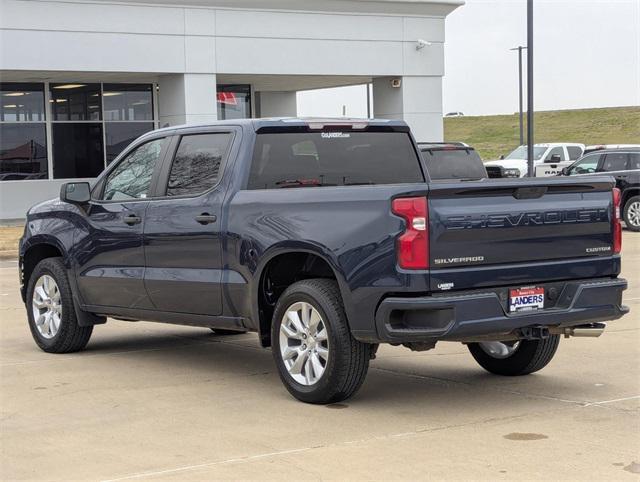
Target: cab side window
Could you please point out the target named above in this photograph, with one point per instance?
(131, 178)
(574, 152)
(586, 165)
(616, 161)
(634, 161)
(555, 151)
(197, 163)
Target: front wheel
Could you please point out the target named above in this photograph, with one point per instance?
(318, 359)
(50, 309)
(631, 213)
(514, 358)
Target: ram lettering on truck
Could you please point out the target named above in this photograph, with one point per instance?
(326, 238)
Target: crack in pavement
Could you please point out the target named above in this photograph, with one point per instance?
(581, 403)
(278, 453)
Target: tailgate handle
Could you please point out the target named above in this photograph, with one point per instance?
(530, 192)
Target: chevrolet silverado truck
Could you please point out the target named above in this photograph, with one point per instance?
(327, 238)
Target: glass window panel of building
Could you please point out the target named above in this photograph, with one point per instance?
(92, 124)
(130, 102)
(119, 135)
(76, 102)
(234, 101)
(23, 139)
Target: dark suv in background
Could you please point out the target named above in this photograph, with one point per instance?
(624, 165)
(452, 160)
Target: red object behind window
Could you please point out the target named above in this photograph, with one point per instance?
(617, 226)
(413, 244)
(227, 98)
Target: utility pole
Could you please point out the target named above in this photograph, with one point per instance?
(530, 140)
(520, 48)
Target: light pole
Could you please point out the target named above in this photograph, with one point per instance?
(530, 86)
(520, 48)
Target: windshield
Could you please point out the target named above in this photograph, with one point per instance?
(454, 164)
(521, 153)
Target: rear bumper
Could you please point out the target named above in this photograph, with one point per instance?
(484, 313)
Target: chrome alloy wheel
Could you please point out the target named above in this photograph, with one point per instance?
(498, 349)
(304, 343)
(633, 214)
(46, 306)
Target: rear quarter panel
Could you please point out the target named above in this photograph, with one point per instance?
(352, 228)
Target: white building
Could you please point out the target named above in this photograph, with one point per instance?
(80, 79)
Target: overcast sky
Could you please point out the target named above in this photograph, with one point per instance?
(587, 54)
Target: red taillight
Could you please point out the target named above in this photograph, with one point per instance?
(413, 244)
(617, 226)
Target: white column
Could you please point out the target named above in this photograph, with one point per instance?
(187, 99)
(417, 100)
(276, 104)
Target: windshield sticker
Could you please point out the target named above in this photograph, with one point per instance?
(331, 135)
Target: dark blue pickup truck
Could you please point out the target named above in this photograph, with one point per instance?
(327, 238)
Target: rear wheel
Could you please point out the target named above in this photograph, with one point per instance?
(50, 309)
(631, 213)
(318, 359)
(514, 358)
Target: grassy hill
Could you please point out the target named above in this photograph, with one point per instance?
(499, 134)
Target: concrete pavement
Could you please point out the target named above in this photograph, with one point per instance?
(148, 401)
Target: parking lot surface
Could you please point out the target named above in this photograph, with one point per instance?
(151, 401)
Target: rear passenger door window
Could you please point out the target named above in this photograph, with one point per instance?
(197, 165)
(634, 161)
(574, 152)
(615, 161)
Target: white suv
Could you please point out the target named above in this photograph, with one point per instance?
(548, 160)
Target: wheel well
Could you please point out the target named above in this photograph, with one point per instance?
(279, 273)
(33, 256)
(629, 193)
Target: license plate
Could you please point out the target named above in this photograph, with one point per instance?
(526, 299)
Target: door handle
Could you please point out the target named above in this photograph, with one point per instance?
(132, 219)
(206, 218)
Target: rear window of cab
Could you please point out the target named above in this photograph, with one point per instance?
(314, 159)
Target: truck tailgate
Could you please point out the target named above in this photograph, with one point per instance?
(497, 232)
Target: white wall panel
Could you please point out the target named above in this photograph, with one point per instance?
(426, 61)
(199, 21)
(307, 25)
(200, 54)
(431, 29)
(322, 57)
(422, 94)
(39, 50)
(277, 104)
(91, 17)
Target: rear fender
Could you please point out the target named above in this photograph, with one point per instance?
(291, 247)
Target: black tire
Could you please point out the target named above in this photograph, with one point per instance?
(220, 332)
(70, 336)
(632, 226)
(529, 357)
(348, 359)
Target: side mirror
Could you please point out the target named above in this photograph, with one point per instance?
(565, 171)
(75, 192)
(501, 158)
